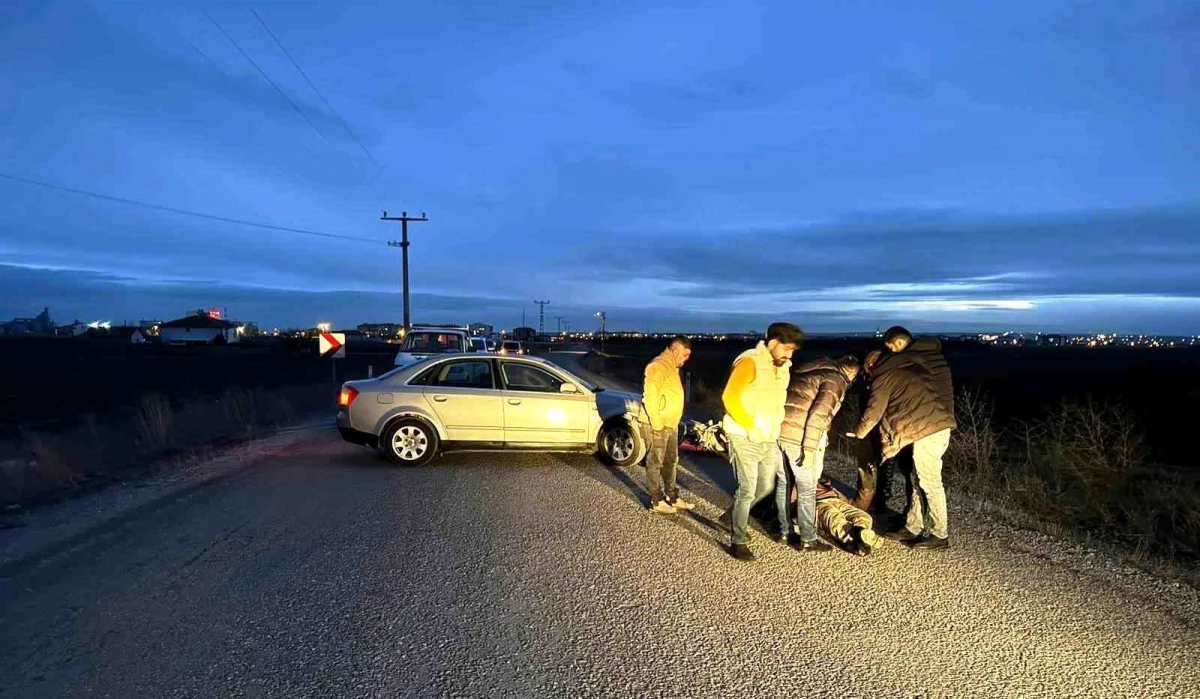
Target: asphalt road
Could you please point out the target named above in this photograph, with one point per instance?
(313, 569)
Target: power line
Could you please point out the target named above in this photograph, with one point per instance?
(186, 212)
(272, 82)
(314, 88)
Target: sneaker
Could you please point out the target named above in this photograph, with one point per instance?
(930, 542)
(662, 507)
(681, 504)
(865, 540)
(901, 535)
(741, 552)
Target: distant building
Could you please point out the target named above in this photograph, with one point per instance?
(73, 330)
(381, 330)
(39, 325)
(199, 329)
(480, 329)
(523, 334)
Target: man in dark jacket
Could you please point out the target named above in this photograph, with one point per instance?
(814, 396)
(875, 473)
(912, 401)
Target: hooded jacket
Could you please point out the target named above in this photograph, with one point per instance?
(814, 396)
(912, 397)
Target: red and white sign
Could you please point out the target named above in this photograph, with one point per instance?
(331, 345)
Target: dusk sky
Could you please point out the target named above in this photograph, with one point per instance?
(684, 166)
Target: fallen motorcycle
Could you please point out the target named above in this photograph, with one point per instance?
(703, 437)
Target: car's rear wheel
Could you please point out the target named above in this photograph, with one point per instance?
(621, 444)
(410, 442)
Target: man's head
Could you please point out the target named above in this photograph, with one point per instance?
(680, 349)
(849, 367)
(897, 338)
(871, 360)
(782, 340)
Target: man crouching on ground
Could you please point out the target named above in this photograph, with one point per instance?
(754, 398)
(662, 396)
(814, 397)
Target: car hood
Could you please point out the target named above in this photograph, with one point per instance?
(614, 403)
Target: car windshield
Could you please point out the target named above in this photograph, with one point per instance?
(433, 342)
(577, 379)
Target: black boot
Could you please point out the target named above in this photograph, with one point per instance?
(931, 542)
(741, 552)
(901, 534)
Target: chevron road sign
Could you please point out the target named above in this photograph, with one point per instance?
(332, 345)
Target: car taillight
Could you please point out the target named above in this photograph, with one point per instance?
(347, 396)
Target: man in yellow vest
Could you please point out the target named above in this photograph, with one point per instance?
(662, 397)
(754, 408)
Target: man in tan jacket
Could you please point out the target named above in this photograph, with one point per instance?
(662, 396)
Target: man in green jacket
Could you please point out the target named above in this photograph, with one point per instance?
(912, 401)
(662, 397)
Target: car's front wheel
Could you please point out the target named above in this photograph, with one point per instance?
(621, 444)
(410, 442)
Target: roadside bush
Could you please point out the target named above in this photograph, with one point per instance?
(1081, 466)
(42, 465)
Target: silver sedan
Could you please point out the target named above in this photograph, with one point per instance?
(488, 402)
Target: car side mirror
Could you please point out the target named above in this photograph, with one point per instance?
(568, 388)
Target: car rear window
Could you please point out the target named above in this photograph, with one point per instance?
(433, 342)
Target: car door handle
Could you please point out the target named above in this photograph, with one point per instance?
(440, 399)
(514, 401)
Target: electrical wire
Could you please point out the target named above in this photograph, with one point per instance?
(266, 77)
(185, 212)
(314, 88)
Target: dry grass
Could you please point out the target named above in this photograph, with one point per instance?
(1080, 467)
(50, 465)
(154, 422)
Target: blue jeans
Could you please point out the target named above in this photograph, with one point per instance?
(758, 466)
(806, 468)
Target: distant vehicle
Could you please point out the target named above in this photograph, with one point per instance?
(491, 345)
(478, 344)
(475, 402)
(422, 343)
(511, 347)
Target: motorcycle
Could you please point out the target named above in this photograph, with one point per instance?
(703, 437)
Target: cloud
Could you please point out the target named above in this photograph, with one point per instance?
(83, 295)
(908, 255)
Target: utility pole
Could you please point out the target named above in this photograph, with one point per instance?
(603, 316)
(403, 218)
(542, 316)
(559, 319)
